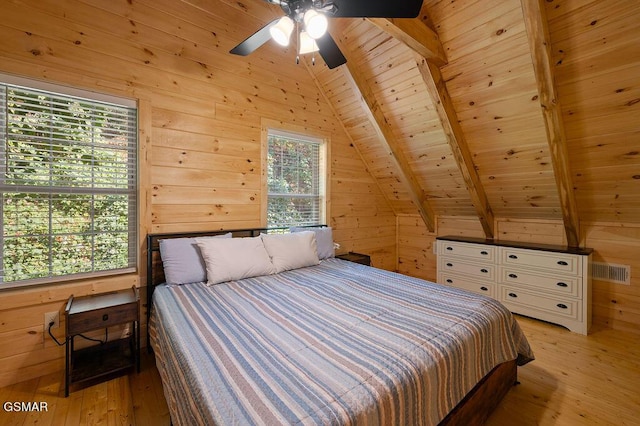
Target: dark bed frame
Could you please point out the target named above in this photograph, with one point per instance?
(474, 409)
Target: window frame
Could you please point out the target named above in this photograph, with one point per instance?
(287, 130)
(132, 192)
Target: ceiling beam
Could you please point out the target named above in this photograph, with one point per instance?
(437, 89)
(414, 34)
(384, 133)
(535, 19)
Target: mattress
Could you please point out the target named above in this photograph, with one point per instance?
(338, 343)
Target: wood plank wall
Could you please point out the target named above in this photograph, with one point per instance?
(615, 306)
(201, 112)
(597, 55)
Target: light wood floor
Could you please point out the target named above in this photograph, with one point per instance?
(575, 380)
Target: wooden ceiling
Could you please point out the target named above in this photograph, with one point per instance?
(494, 108)
(487, 109)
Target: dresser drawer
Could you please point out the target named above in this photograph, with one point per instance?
(476, 270)
(484, 288)
(467, 250)
(545, 261)
(102, 318)
(566, 285)
(520, 301)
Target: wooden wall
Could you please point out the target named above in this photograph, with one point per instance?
(201, 112)
(596, 52)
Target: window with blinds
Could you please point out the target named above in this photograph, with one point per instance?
(68, 185)
(294, 180)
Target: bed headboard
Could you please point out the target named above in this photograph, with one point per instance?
(155, 270)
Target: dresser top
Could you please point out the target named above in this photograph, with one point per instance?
(517, 244)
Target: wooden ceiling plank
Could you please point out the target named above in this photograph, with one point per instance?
(442, 101)
(429, 57)
(416, 35)
(540, 46)
(364, 92)
(344, 128)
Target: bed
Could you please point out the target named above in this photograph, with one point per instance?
(333, 343)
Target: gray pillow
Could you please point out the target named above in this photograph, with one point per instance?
(182, 261)
(324, 240)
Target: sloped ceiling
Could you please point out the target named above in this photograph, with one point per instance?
(531, 112)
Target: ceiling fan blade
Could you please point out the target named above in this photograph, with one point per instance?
(377, 8)
(330, 51)
(254, 41)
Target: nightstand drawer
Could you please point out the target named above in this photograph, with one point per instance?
(102, 318)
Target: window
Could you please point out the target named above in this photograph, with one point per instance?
(295, 180)
(67, 182)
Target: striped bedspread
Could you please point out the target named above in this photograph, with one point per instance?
(336, 344)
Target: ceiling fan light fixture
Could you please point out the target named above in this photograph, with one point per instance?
(315, 23)
(281, 32)
(307, 44)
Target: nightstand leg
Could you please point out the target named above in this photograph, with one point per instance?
(67, 370)
(136, 344)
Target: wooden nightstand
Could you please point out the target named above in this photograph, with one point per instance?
(94, 364)
(363, 259)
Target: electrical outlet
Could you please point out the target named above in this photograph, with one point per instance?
(51, 317)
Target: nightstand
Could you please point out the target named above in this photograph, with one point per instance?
(363, 259)
(95, 364)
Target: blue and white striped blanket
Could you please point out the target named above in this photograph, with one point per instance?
(338, 343)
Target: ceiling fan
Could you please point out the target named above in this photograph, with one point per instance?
(312, 16)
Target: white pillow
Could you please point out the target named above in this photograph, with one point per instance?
(182, 260)
(234, 258)
(324, 240)
(291, 251)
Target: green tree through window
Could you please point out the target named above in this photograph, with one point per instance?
(68, 185)
(294, 180)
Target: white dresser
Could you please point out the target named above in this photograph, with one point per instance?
(547, 282)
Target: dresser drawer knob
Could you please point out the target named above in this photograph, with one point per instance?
(562, 263)
(450, 248)
(449, 280)
(484, 253)
(449, 265)
(484, 271)
(105, 317)
(483, 288)
(562, 284)
(513, 295)
(513, 276)
(561, 306)
(513, 256)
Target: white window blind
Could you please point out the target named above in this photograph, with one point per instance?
(68, 186)
(294, 180)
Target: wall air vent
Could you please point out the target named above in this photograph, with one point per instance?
(611, 272)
